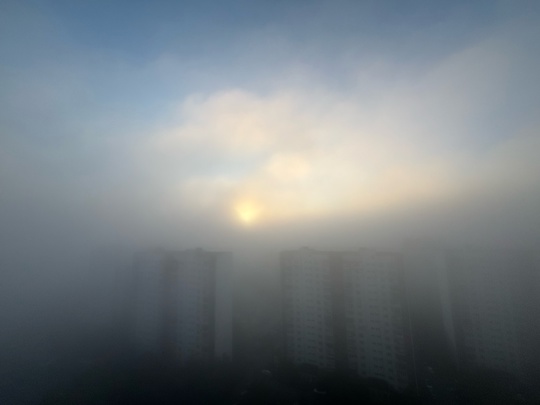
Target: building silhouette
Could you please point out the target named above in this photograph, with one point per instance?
(347, 311)
(474, 309)
(180, 304)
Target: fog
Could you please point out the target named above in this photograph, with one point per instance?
(134, 133)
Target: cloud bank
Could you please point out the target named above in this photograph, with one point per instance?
(274, 135)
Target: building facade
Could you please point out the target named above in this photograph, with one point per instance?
(493, 304)
(309, 308)
(473, 309)
(377, 326)
(181, 304)
(347, 311)
(425, 270)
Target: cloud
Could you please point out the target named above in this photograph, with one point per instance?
(313, 151)
(364, 136)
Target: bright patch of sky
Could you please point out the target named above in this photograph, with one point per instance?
(290, 110)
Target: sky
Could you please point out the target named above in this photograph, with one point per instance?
(243, 124)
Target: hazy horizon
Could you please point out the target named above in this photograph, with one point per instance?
(268, 124)
(253, 127)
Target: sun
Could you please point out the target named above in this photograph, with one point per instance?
(247, 212)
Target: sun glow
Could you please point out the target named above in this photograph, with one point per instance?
(247, 212)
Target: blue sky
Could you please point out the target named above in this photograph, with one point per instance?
(256, 116)
(135, 27)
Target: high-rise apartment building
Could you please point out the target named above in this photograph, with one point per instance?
(347, 311)
(473, 309)
(493, 305)
(309, 305)
(377, 325)
(429, 297)
(181, 304)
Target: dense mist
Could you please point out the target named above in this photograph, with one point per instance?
(188, 190)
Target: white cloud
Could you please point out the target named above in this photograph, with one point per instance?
(308, 151)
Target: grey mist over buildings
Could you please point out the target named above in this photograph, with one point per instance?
(334, 191)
